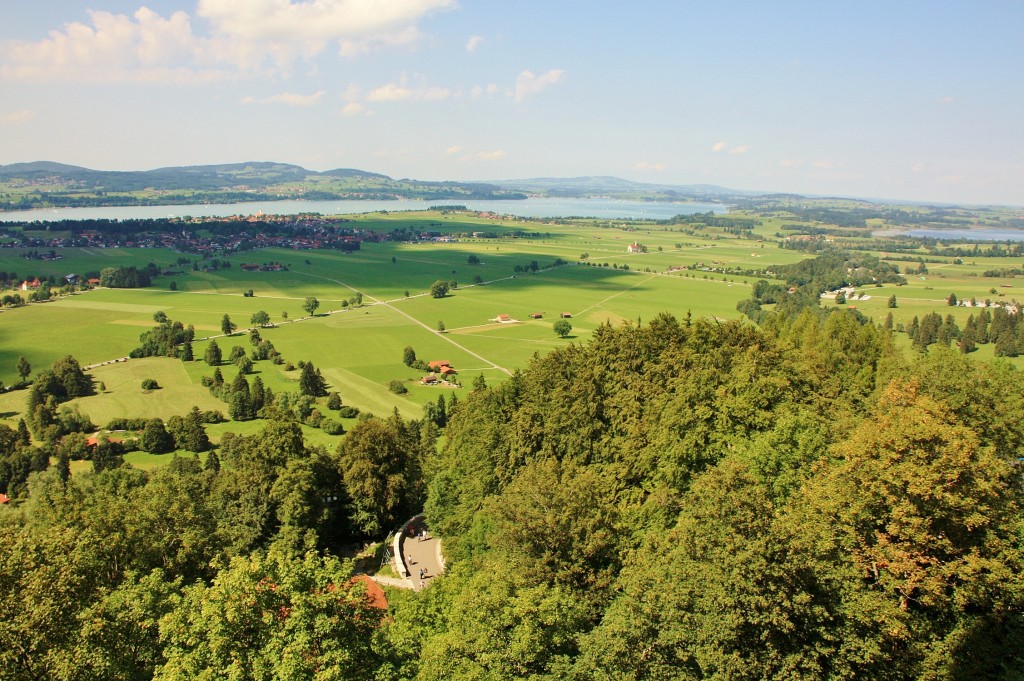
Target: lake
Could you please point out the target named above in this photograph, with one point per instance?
(613, 209)
(971, 235)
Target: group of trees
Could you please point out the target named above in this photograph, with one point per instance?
(168, 339)
(225, 569)
(45, 416)
(125, 277)
(695, 500)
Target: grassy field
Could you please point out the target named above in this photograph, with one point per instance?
(359, 349)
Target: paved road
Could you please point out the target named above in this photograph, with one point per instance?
(421, 554)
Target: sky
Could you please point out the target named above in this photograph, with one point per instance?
(901, 99)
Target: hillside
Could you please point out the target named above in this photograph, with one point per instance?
(44, 184)
(603, 185)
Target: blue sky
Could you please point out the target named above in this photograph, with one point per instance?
(898, 99)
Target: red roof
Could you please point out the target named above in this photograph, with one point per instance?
(375, 596)
(445, 370)
(4, 498)
(438, 363)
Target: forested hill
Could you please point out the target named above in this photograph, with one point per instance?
(45, 184)
(685, 499)
(707, 500)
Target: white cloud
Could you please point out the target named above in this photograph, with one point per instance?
(15, 117)
(145, 47)
(323, 20)
(290, 98)
(945, 100)
(741, 149)
(254, 37)
(528, 84)
(435, 94)
(355, 109)
(401, 92)
(719, 146)
(478, 91)
(473, 43)
(391, 92)
(351, 47)
(791, 163)
(453, 150)
(646, 166)
(827, 164)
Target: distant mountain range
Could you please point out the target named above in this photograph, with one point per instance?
(45, 184)
(591, 185)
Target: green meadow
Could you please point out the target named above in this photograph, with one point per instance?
(359, 348)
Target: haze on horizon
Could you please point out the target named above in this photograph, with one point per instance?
(915, 100)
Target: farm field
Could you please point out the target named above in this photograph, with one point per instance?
(359, 349)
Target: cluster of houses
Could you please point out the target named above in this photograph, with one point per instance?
(507, 319)
(296, 233)
(68, 279)
(441, 373)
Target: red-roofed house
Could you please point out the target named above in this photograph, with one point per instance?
(4, 498)
(448, 371)
(28, 285)
(437, 364)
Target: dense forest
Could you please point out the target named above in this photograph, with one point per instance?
(681, 499)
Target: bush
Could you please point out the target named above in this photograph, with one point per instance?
(121, 423)
(150, 384)
(397, 387)
(332, 427)
(348, 412)
(213, 416)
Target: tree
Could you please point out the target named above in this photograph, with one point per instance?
(440, 327)
(227, 326)
(274, 616)
(377, 460)
(334, 401)
(284, 315)
(24, 369)
(892, 301)
(473, 259)
(951, 301)
(841, 298)
(562, 327)
(260, 318)
(186, 352)
(311, 382)
(150, 384)
(439, 289)
(244, 365)
(311, 305)
(213, 355)
(408, 356)
(155, 438)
